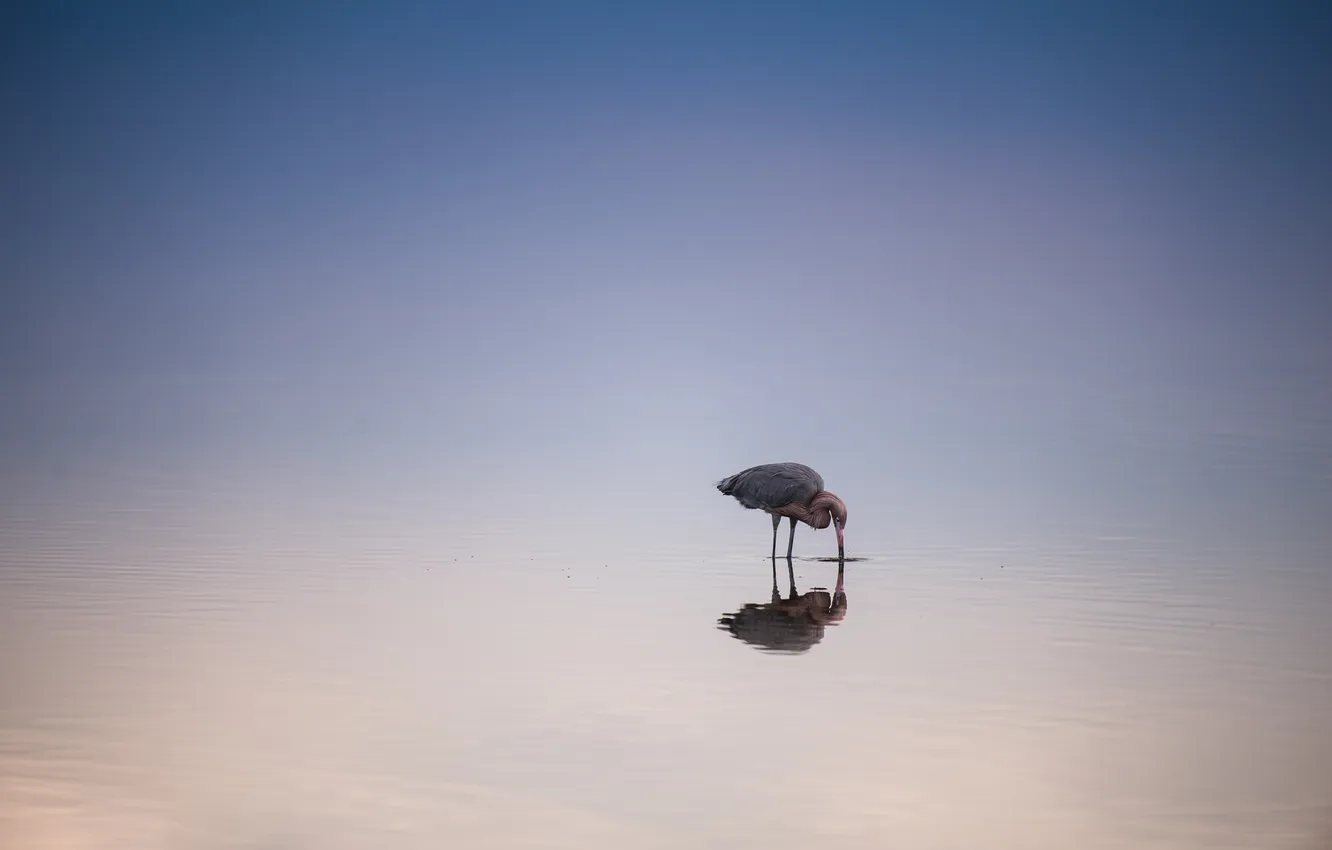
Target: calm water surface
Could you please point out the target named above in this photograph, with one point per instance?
(190, 682)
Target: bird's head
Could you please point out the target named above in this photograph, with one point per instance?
(839, 523)
(828, 505)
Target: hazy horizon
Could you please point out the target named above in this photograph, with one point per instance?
(352, 293)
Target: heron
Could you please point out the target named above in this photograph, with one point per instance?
(790, 490)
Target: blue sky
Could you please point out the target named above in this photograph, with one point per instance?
(985, 266)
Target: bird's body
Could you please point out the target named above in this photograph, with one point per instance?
(790, 490)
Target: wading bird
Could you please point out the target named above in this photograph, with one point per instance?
(790, 490)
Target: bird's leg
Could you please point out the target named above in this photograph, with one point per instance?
(790, 575)
(790, 543)
(776, 597)
(776, 521)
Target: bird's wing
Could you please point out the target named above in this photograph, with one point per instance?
(773, 485)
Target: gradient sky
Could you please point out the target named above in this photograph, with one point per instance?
(992, 268)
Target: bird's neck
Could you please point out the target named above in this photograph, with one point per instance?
(818, 513)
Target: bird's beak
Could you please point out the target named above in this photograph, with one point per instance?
(841, 544)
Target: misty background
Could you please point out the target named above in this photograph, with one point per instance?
(557, 268)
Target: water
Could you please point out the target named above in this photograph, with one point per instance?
(268, 682)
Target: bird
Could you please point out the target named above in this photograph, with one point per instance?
(790, 490)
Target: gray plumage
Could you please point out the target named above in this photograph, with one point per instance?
(772, 485)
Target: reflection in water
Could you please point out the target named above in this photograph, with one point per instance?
(792, 625)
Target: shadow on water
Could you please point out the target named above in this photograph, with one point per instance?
(789, 626)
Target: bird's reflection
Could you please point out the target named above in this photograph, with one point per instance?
(792, 625)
